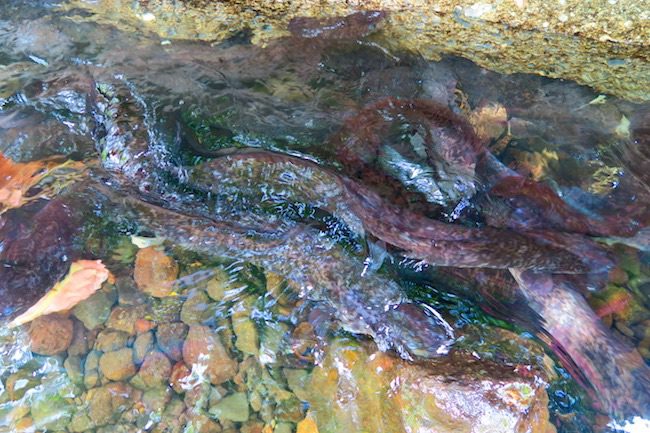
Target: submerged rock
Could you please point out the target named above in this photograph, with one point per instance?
(50, 335)
(142, 345)
(109, 340)
(117, 365)
(74, 369)
(203, 346)
(358, 389)
(196, 308)
(124, 318)
(91, 369)
(95, 310)
(231, 408)
(155, 370)
(50, 412)
(245, 330)
(218, 285)
(155, 272)
(106, 403)
(170, 338)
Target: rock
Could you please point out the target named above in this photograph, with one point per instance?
(217, 393)
(80, 344)
(173, 418)
(124, 318)
(456, 393)
(196, 308)
(252, 427)
(80, 423)
(144, 325)
(255, 398)
(91, 369)
(128, 293)
(155, 399)
(290, 409)
(155, 272)
(175, 408)
(50, 411)
(218, 285)
(25, 424)
(100, 407)
(166, 310)
(202, 341)
(74, 369)
(106, 403)
(50, 334)
(246, 332)
(196, 397)
(232, 408)
(170, 338)
(200, 423)
(307, 425)
(271, 339)
(155, 370)
(119, 428)
(117, 365)
(95, 310)
(297, 380)
(178, 375)
(12, 412)
(21, 381)
(279, 288)
(142, 345)
(109, 340)
(283, 427)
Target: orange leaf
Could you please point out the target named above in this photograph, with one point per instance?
(84, 278)
(16, 178)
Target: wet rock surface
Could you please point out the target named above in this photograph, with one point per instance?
(155, 271)
(193, 379)
(208, 378)
(50, 335)
(203, 346)
(117, 365)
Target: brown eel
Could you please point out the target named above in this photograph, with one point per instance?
(535, 258)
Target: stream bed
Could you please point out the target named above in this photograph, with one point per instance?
(320, 233)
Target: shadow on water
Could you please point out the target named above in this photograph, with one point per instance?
(316, 208)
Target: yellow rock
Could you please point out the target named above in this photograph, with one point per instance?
(307, 425)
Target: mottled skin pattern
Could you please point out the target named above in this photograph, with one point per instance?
(36, 246)
(450, 147)
(615, 370)
(304, 256)
(268, 176)
(366, 303)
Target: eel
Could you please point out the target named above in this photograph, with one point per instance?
(534, 257)
(367, 303)
(135, 176)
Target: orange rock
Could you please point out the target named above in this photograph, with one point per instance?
(143, 325)
(50, 335)
(202, 346)
(155, 272)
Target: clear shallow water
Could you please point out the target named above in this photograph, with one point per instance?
(276, 262)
